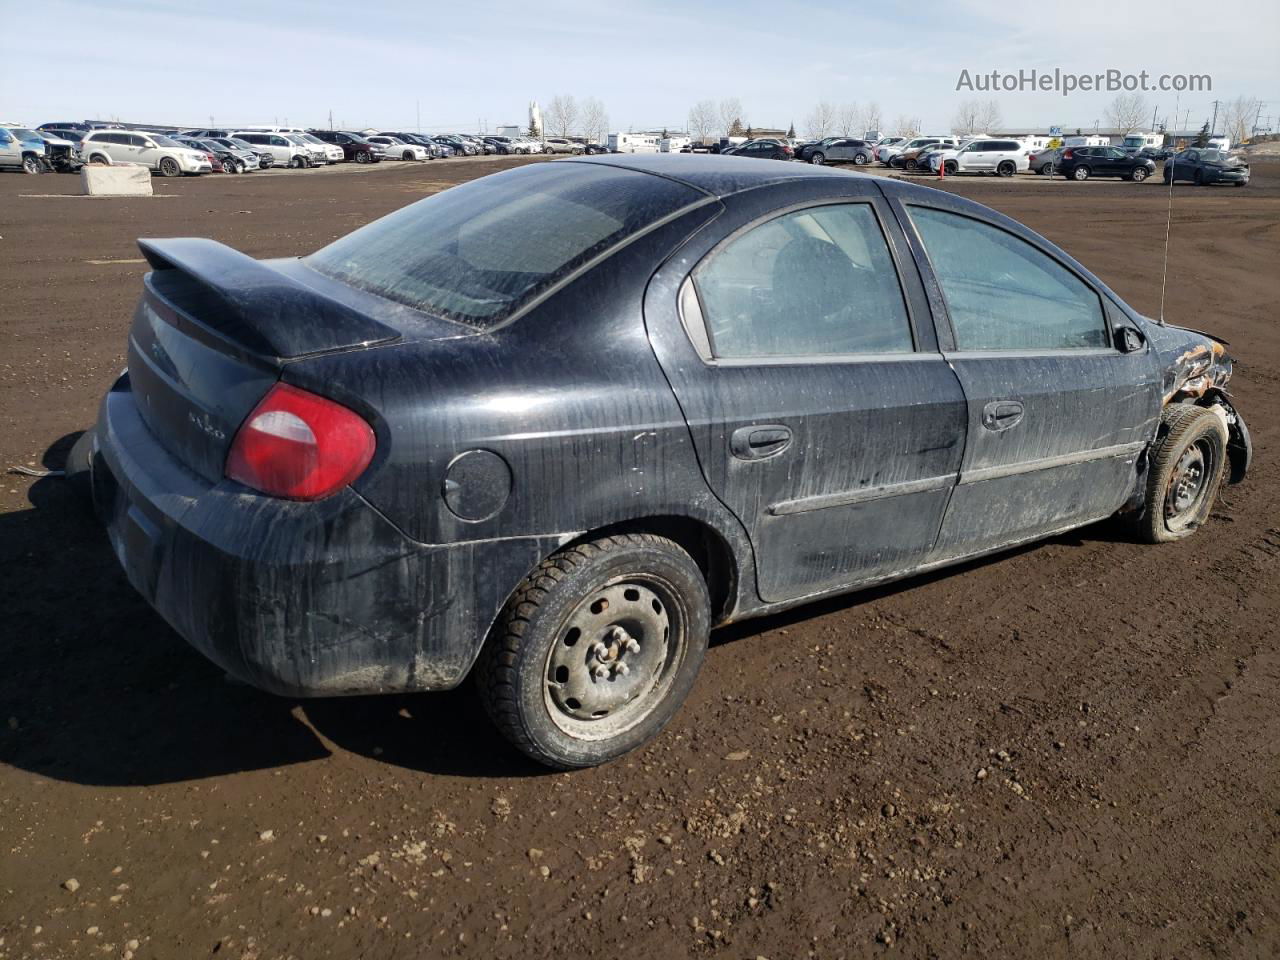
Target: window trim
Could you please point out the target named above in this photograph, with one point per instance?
(1109, 349)
(698, 332)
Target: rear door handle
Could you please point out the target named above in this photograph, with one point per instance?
(759, 441)
(1002, 414)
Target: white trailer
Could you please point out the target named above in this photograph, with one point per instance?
(1133, 142)
(633, 143)
(673, 144)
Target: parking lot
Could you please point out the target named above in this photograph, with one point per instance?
(1071, 749)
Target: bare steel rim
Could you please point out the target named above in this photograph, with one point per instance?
(1189, 485)
(615, 657)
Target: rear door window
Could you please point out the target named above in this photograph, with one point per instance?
(1004, 294)
(820, 281)
(479, 252)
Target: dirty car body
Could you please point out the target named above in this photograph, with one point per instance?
(677, 363)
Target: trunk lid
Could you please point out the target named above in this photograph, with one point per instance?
(212, 333)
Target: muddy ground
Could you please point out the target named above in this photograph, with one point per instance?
(1068, 750)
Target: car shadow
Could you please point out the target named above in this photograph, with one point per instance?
(98, 690)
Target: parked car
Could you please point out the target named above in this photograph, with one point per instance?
(838, 150)
(1046, 161)
(284, 151)
(562, 145)
(482, 148)
(1204, 166)
(1081, 163)
(393, 148)
(78, 126)
(762, 150)
(231, 159)
(531, 145)
(917, 158)
(461, 147)
(886, 151)
(162, 154)
(898, 155)
(433, 451)
(331, 151)
(984, 155)
(263, 159)
(501, 145)
(22, 149)
(430, 146)
(355, 148)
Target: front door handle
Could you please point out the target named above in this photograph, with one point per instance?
(1002, 414)
(759, 441)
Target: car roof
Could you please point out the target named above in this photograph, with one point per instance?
(716, 174)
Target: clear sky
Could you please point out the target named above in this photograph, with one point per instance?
(477, 63)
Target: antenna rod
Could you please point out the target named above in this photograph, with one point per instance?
(1168, 220)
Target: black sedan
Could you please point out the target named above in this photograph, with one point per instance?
(1081, 163)
(551, 426)
(763, 150)
(1203, 166)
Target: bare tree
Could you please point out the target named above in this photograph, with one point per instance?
(562, 114)
(872, 118)
(730, 113)
(1239, 116)
(966, 118)
(702, 120)
(594, 123)
(1128, 111)
(988, 116)
(848, 120)
(906, 126)
(820, 121)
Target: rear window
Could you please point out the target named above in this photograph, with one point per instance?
(479, 252)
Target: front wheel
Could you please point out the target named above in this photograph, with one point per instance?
(596, 650)
(1007, 168)
(1140, 174)
(1187, 466)
(1080, 173)
(169, 167)
(951, 166)
(911, 165)
(818, 158)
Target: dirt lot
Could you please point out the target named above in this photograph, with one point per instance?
(1069, 750)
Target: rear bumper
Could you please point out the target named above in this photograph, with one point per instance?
(300, 599)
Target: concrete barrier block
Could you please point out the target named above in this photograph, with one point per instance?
(118, 180)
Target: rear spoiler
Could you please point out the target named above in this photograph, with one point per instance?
(253, 304)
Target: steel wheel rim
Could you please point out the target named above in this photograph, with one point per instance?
(614, 658)
(1189, 485)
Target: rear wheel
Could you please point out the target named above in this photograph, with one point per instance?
(1007, 168)
(861, 159)
(596, 650)
(1187, 465)
(99, 160)
(169, 167)
(1080, 173)
(1140, 174)
(1046, 169)
(32, 164)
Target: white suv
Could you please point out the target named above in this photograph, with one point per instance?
(1005, 157)
(284, 152)
(164, 156)
(887, 151)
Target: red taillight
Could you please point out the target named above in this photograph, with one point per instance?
(299, 446)
(1066, 154)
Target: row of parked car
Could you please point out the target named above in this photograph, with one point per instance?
(1001, 157)
(66, 146)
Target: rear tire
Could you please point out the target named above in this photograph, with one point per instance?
(1046, 169)
(1080, 173)
(596, 650)
(32, 165)
(1007, 168)
(99, 160)
(861, 159)
(1186, 469)
(169, 167)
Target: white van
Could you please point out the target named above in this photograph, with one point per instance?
(164, 156)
